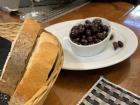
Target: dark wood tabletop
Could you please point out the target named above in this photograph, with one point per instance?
(72, 85)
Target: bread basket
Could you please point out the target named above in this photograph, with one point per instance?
(36, 57)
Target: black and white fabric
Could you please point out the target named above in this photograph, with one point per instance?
(106, 93)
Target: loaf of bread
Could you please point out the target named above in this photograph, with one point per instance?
(19, 54)
(32, 66)
(37, 71)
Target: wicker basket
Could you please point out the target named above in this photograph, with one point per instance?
(9, 31)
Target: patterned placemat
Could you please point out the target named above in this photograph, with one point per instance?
(105, 92)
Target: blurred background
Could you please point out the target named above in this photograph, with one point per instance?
(54, 8)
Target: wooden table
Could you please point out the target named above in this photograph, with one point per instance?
(72, 85)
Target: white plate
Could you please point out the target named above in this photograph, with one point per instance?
(107, 58)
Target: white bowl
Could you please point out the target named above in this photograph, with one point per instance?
(93, 49)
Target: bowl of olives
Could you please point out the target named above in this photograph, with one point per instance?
(90, 36)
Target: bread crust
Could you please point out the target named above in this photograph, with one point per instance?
(38, 68)
(18, 56)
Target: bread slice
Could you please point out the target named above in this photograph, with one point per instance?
(18, 56)
(38, 69)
